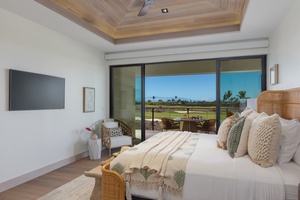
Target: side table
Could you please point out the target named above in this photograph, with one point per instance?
(95, 148)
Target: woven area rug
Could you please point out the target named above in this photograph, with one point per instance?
(78, 189)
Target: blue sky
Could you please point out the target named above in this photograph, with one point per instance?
(195, 87)
(202, 87)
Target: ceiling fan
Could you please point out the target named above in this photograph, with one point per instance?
(145, 7)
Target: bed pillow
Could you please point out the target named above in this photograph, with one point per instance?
(264, 140)
(289, 141)
(110, 124)
(234, 136)
(247, 112)
(115, 132)
(223, 132)
(296, 156)
(243, 144)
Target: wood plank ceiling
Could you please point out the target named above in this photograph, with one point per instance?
(117, 20)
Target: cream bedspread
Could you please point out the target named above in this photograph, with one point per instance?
(211, 174)
(158, 162)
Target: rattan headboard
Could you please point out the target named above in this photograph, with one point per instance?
(286, 103)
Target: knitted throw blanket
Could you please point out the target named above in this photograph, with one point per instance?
(157, 162)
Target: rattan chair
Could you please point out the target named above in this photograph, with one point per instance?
(170, 124)
(116, 141)
(113, 187)
(206, 126)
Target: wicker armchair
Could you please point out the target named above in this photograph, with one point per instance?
(113, 187)
(116, 141)
(206, 126)
(170, 124)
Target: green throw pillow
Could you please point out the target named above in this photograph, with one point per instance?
(234, 136)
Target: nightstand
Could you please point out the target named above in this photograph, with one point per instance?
(95, 148)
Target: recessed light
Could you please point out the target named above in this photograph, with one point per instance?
(164, 10)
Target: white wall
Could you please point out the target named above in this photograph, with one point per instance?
(284, 50)
(34, 140)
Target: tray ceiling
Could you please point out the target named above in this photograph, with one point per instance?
(117, 20)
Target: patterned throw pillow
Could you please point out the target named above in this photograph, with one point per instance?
(264, 140)
(115, 132)
(223, 132)
(234, 136)
(243, 145)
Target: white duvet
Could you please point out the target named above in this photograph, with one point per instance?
(211, 174)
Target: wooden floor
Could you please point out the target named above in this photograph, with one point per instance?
(42, 185)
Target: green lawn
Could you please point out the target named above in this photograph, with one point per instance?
(180, 111)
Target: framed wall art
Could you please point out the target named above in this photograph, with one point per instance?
(274, 74)
(88, 99)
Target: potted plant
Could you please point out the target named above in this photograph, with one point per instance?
(94, 135)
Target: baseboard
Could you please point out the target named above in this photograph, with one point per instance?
(34, 174)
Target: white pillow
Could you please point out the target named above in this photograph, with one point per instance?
(289, 141)
(110, 124)
(296, 156)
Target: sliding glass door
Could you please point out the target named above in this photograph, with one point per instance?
(126, 97)
(240, 81)
(179, 91)
(142, 95)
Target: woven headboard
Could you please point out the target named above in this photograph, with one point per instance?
(285, 103)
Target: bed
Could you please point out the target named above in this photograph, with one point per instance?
(209, 173)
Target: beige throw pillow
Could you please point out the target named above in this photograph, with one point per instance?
(243, 145)
(264, 140)
(223, 132)
(247, 112)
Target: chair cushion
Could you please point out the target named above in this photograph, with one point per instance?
(110, 124)
(119, 141)
(115, 132)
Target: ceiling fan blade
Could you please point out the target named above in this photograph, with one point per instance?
(145, 8)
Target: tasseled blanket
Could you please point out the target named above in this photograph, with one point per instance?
(157, 163)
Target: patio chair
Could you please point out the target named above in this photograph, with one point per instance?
(112, 137)
(206, 126)
(170, 124)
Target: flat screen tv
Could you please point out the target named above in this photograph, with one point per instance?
(31, 91)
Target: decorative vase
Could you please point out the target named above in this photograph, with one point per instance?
(94, 136)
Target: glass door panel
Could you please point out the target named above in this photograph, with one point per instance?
(181, 91)
(240, 79)
(126, 98)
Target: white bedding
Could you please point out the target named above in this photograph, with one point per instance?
(212, 174)
(291, 174)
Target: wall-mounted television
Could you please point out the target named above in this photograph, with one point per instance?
(32, 91)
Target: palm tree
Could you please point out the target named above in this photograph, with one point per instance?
(227, 95)
(242, 94)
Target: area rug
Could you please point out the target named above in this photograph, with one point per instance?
(78, 189)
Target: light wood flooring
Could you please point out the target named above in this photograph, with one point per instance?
(42, 185)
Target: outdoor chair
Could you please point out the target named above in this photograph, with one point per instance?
(170, 124)
(206, 126)
(116, 134)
